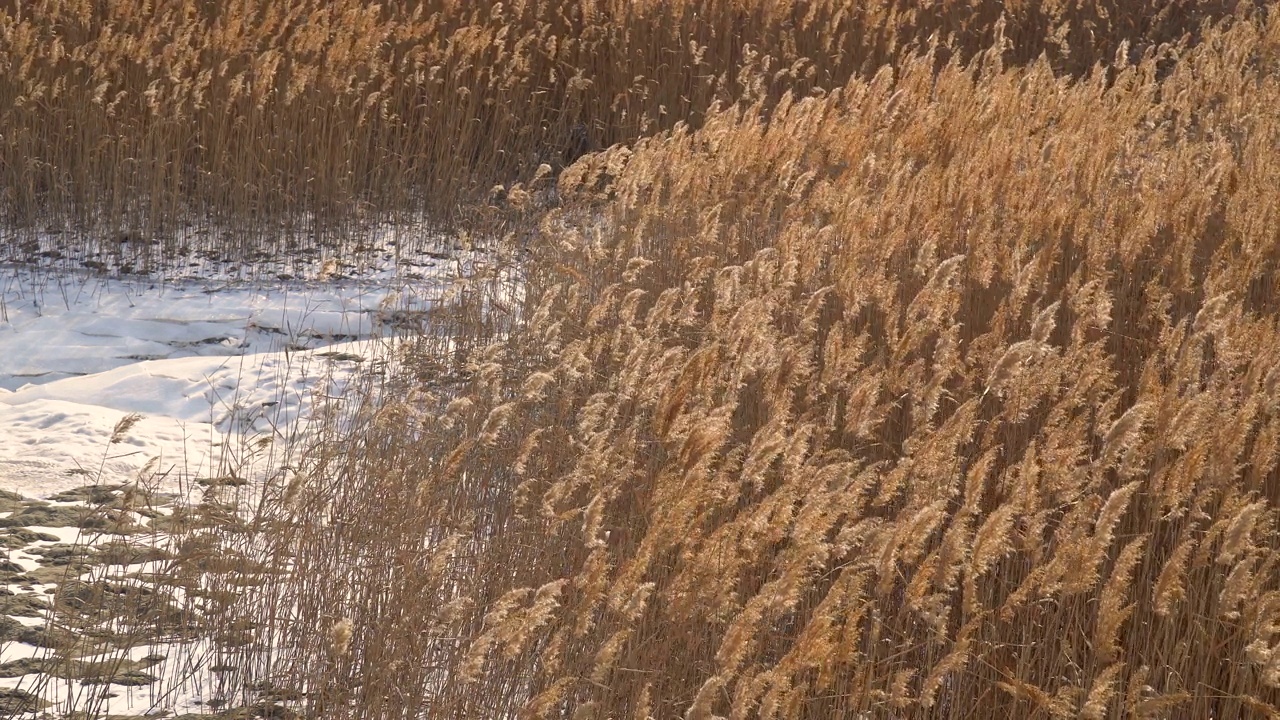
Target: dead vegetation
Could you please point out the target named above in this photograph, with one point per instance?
(944, 389)
(949, 392)
(239, 123)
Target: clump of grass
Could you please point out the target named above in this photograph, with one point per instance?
(944, 393)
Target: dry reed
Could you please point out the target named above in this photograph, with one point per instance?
(250, 119)
(940, 390)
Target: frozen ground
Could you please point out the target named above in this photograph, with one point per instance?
(200, 359)
(211, 357)
(198, 366)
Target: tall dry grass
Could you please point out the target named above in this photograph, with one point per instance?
(949, 392)
(251, 117)
(910, 380)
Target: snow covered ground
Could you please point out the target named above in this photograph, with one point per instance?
(205, 363)
(197, 366)
(200, 359)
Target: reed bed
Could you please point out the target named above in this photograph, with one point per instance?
(949, 392)
(931, 378)
(250, 119)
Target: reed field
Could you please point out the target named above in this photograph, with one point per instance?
(878, 360)
(245, 117)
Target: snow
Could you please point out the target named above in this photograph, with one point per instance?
(216, 360)
(201, 360)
